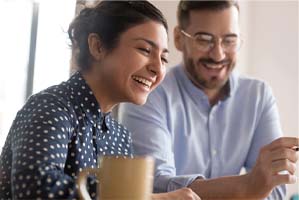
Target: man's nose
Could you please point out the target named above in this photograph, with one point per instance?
(217, 53)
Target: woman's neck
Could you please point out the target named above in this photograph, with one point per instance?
(99, 89)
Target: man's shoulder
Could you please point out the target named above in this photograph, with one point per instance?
(252, 86)
(251, 83)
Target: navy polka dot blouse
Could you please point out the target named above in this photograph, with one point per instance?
(58, 132)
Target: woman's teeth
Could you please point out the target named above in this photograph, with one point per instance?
(143, 81)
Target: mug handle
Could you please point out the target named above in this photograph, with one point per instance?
(82, 177)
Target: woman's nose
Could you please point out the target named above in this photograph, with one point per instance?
(156, 67)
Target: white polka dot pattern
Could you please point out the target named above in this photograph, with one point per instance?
(57, 133)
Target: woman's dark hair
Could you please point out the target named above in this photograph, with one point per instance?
(108, 19)
(186, 6)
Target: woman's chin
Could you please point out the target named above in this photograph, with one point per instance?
(140, 100)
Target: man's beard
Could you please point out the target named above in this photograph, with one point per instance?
(213, 82)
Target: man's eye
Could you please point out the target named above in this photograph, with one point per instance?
(203, 41)
(230, 41)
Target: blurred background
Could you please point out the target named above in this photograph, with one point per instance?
(35, 52)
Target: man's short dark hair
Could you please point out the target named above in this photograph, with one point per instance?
(186, 6)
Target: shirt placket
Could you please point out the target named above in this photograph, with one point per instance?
(215, 141)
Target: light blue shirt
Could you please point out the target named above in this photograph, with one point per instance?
(190, 139)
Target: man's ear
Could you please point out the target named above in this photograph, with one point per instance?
(95, 46)
(178, 38)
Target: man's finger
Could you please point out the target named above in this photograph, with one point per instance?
(283, 165)
(286, 142)
(284, 179)
(284, 153)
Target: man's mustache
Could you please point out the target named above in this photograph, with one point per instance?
(213, 62)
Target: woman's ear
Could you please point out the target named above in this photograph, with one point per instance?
(178, 38)
(95, 46)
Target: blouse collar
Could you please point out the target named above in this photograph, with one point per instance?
(86, 100)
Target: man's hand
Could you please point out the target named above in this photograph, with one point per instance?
(180, 194)
(273, 162)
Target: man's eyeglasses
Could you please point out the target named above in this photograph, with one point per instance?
(206, 42)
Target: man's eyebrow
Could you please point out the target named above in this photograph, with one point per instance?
(231, 35)
(203, 33)
(226, 35)
(153, 44)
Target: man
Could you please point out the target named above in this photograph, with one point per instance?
(205, 122)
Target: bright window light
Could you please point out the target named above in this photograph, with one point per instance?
(52, 64)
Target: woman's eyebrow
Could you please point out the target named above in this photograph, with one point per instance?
(153, 44)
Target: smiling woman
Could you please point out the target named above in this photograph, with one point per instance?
(64, 128)
(147, 51)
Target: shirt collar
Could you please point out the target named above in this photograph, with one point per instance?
(85, 99)
(233, 83)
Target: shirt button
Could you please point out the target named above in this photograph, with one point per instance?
(214, 152)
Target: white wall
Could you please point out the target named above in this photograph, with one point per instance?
(269, 52)
(273, 57)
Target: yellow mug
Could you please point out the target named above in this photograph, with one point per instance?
(120, 178)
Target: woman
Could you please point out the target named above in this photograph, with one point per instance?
(121, 52)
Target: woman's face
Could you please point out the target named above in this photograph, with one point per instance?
(137, 65)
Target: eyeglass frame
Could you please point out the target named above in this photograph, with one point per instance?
(213, 42)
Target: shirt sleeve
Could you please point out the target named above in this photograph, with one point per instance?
(268, 129)
(150, 135)
(41, 133)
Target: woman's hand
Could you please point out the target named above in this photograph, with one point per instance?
(180, 194)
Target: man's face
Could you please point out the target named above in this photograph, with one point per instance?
(209, 68)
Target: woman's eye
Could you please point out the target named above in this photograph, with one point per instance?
(164, 60)
(144, 50)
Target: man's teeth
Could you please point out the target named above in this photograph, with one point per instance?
(211, 66)
(143, 81)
